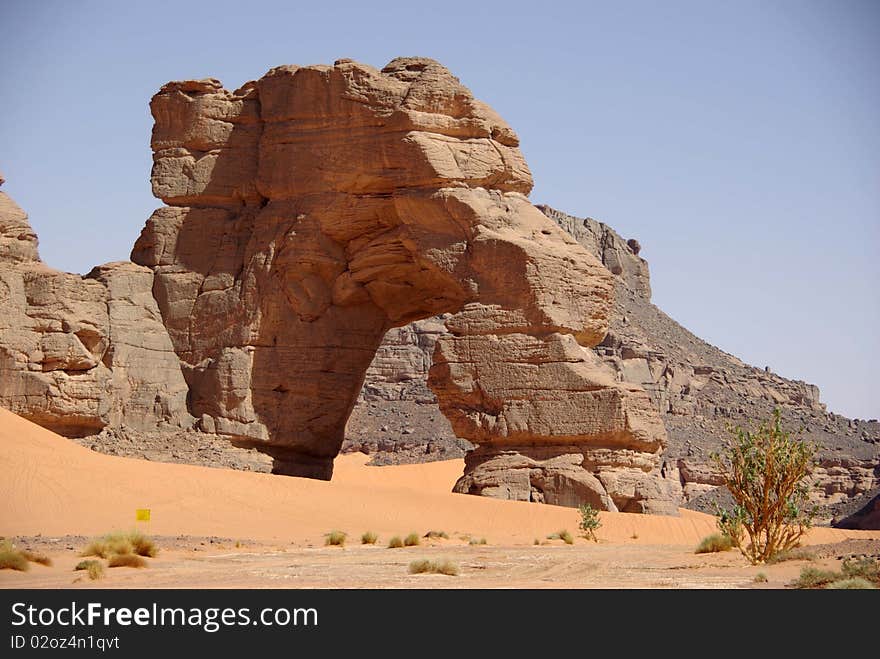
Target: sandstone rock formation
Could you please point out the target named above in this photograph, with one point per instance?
(313, 210)
(697, 388)
(78, 354)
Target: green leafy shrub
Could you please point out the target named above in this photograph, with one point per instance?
(766, 471)
(590, 521)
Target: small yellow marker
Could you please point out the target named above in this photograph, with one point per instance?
(142, 515)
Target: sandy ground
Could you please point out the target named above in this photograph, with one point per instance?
(268, 531)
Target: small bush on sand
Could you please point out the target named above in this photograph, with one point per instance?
(437, 534)
(13, 558)
(119, 543)
(855, 583)
(477, 541)
(369, 538)
(34, 557)
(862, 568)
(854, 574)
(335, 538)
(565, 536)
(395, 543)
(814, 578)
(536, 542)
(590, 521)
(796, 554)
(425, 566)
(714, 543)
(93, 567)
(412, 540)
(760, 578)
(126, 560)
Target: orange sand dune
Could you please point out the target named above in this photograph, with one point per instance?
(52, 486)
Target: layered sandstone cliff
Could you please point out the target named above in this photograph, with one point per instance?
(78, 354)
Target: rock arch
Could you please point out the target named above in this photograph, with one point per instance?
(312, 210)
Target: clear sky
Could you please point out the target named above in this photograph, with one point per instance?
(738, 141)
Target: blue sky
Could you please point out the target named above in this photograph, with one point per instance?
(738, 141)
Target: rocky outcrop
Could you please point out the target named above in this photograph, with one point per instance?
(78, 354)
(697, 389)
(312, 211)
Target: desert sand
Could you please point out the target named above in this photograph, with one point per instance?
(54, 488)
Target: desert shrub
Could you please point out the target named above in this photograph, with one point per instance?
(853, 583)
(760, 578)
(536, 542)
(142, 545)
(814, 578)
(437, 534)
(412, 540)
(590, 521)
(119, 543)
(565, 536)
(126, 560)
(12, 558)
(477, 541)
(714, 543)
(796, 554)
(766, 471)
(862, 568)
(369, 538)
(425, 566)
(335, 538)
(395, 543)
(93, 567)
(34, 557)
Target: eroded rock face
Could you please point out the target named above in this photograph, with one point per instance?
(78, 354)
(313, 210)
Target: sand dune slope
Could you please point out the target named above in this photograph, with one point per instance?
(51, 486)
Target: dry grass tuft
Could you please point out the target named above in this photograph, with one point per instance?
(126, 560)
(476, 541)
(395, 543)
(437, 534)
(335, 538)
(412, 540)
(425, 566)
(120, 543)
(13, 558)
(369, 538)
(853, 583)
(714, 543)
(93, 567)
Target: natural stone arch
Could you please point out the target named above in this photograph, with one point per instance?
(312, 210)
